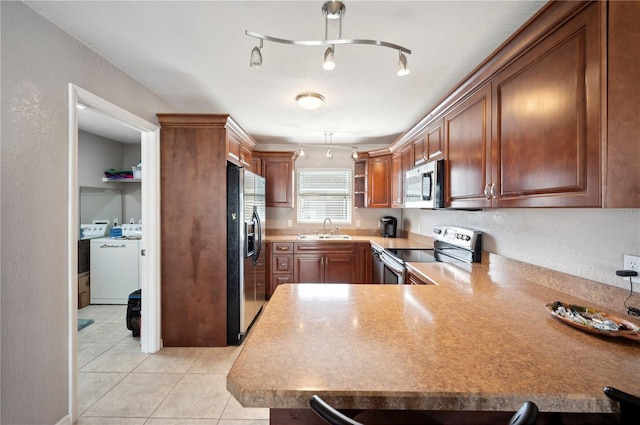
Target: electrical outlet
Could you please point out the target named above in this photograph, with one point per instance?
(632, 262)
(357, 223)
(289, 224)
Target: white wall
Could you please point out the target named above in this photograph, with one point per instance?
(97, 154)
(584, 242)
(38, 62)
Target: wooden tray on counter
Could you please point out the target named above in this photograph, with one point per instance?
(594, 321)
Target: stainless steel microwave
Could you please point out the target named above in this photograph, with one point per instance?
(424, 186)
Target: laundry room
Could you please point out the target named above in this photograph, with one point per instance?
(109, 180)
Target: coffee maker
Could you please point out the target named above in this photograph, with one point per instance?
(388, 226)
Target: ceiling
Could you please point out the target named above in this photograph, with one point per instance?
(196, 56)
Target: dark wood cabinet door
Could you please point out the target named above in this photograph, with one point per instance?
(546, 135)
(309, 268)
(434, 146)
(363, 263)
(339, 268)
(468, 138)
(397, 180)
(194, 266)
(420, 150)
(278, 173)
(622, 175)
(380, 182)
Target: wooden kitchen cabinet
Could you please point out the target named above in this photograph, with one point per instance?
(363, 262)
(379, 181)
(193, 163)
(546, 125)
(281, 265)
(397, 180)
(433, 141)
(401, 162)
(324, 262)
(278, 171)
(256, 163)
(531, 137)
(467, 146)
(621, 177)
(239, 146)
(414, 279)
(360, 183)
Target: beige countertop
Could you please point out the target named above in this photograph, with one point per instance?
(481, 339)
(387, 243)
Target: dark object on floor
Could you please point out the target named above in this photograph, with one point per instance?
(629, 405)
(83, 323)
(134, 306)
(526, 415)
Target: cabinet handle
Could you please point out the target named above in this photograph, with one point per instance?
(493, 190)
(283, 264)
(487, 191)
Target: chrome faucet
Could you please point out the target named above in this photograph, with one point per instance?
(324, 224)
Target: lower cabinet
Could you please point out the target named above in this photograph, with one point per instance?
(281, 265)
(318, 262)
(324, 262)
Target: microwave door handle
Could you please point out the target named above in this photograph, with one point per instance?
(429, 178)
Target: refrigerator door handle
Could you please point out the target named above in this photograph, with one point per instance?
(256, 217)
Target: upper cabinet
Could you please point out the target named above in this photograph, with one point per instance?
(549, 119)
(621, 179)
(546, 121)
(379, 181)
(278, 171)
(360, 183)
(239, 145)
(467, 146)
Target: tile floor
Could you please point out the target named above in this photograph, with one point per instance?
(119, 385)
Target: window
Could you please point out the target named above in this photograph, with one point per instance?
(322, 194)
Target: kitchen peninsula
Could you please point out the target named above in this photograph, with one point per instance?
(480, 339)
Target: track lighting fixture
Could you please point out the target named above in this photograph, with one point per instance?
(331, 10)
(310, 100)
(329, 146)
(325, 142)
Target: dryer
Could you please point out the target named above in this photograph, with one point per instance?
(115, 266)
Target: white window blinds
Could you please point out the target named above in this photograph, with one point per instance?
(324, 194)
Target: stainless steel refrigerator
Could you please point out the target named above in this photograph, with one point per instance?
(246, 272)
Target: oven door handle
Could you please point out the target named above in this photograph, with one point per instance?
(391, 263)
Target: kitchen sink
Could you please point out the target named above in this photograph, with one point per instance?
(324, 237)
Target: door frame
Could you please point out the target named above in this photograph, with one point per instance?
(150, 337)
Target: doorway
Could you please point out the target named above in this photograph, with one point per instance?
(150, 213)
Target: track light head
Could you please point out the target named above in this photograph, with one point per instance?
(329, 64)
(256, 57)
(402, 65)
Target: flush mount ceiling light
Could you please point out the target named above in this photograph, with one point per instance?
(310, 100)
(331, 10)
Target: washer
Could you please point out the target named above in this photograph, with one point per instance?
(115, 266)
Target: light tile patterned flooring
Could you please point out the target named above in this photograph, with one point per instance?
(119, 385)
